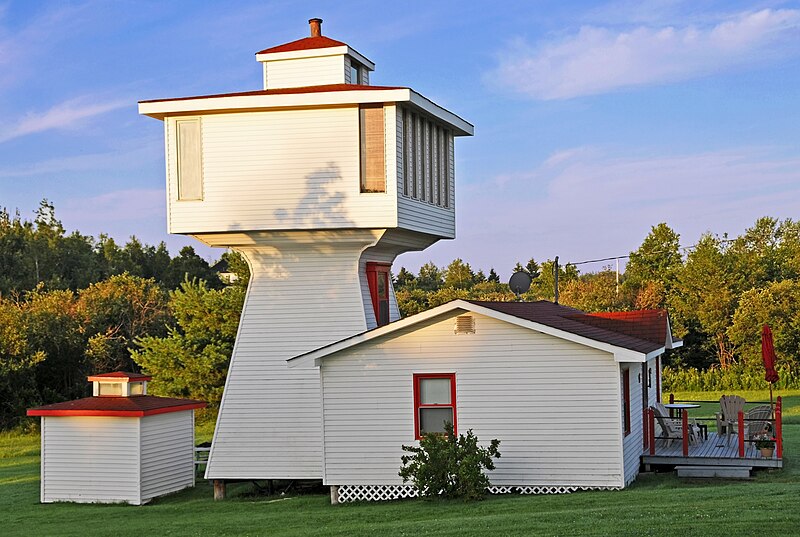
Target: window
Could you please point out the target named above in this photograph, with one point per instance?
(658, 379)
(136, 388)
(373, 168)
(378, 280)
(109, 388)
(189, 159)
(355, 72)
(426, 159)
(626, 402)
(434, 403)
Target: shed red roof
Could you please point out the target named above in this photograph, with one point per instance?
(286, 91)
(636, 330)
(135, 406)
(307, 43)
(122, 375)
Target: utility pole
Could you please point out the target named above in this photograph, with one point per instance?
(555, 280)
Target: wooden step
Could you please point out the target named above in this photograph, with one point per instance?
(727, 472)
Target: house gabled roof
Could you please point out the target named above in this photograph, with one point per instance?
(133, 406)
(610, 335)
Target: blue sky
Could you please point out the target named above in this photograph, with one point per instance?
(593, 120)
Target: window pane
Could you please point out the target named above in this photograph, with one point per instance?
(431, 420)
(137, 388)
(373, 168)
(434, 391)
(190, 173)
(105, 388)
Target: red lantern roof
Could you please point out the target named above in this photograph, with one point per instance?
(122, 376)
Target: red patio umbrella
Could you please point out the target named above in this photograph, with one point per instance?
(768, 356)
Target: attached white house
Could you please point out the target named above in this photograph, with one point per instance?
(564, 392)
(118, 446)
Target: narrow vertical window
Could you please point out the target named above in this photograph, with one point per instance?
(434, 164)
(423, 191)
(408, 163)
(434, 403)
(189, 159)
(373, 168)
(658, 379)
(446, 176)
(355, 72)
(415, 157)
(626, 402)
(429, 160)
(378, 280)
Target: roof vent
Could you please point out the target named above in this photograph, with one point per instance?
(465, 324)
(316, 27)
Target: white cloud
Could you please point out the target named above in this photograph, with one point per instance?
(61, 116)
(598, 60)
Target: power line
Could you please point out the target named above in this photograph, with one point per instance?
(614, 258)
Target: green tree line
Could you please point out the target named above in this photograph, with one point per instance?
(72, 306)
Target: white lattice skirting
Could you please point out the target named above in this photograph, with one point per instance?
(380, 493)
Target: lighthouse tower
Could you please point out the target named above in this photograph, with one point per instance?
(319, 180)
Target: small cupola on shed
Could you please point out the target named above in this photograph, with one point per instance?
(313, 61)
(119, 384)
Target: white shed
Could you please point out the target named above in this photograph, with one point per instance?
(562, 390)
(120, 445)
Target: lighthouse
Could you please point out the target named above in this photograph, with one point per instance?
(319, 180)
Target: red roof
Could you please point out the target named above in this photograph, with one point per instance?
(286, 91)
(307, 43)
(644, 324)
(128, 377)
(135, 406)
(636, 330)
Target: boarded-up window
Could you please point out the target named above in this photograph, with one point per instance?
(373, 167)
(190, 163)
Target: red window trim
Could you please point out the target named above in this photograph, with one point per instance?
(626, 394)
(417, 405)
(373, 272)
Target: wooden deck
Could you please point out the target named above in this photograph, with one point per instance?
(711, 452)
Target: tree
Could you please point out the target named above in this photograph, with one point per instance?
(187, 265)
(404, 278)
(115, 313)
(192, 359)
(777, 305)
(430, 277)
(658, 259)
(459, 275)
(493, 277)
(238, 265)
(706, 296)
(592, 292)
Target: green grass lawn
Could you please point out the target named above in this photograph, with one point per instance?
(657, 504)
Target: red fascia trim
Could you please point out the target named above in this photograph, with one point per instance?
(658, 379)
(100, 378)
(417, 405)
(117, 413)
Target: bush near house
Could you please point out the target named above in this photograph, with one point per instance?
(449, 466)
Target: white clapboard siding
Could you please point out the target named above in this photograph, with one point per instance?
(90, 459)
(167, 443)
(632, 442)
(553, 404)
(282, 169)
(299, 72)
(304, 293)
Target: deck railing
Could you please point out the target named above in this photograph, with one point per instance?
(650, 421)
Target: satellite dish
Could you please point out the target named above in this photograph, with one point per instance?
(520, 282)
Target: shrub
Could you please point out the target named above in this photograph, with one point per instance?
(447, 466)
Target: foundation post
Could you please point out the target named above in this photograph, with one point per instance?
(334, 494)
(219, 489)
